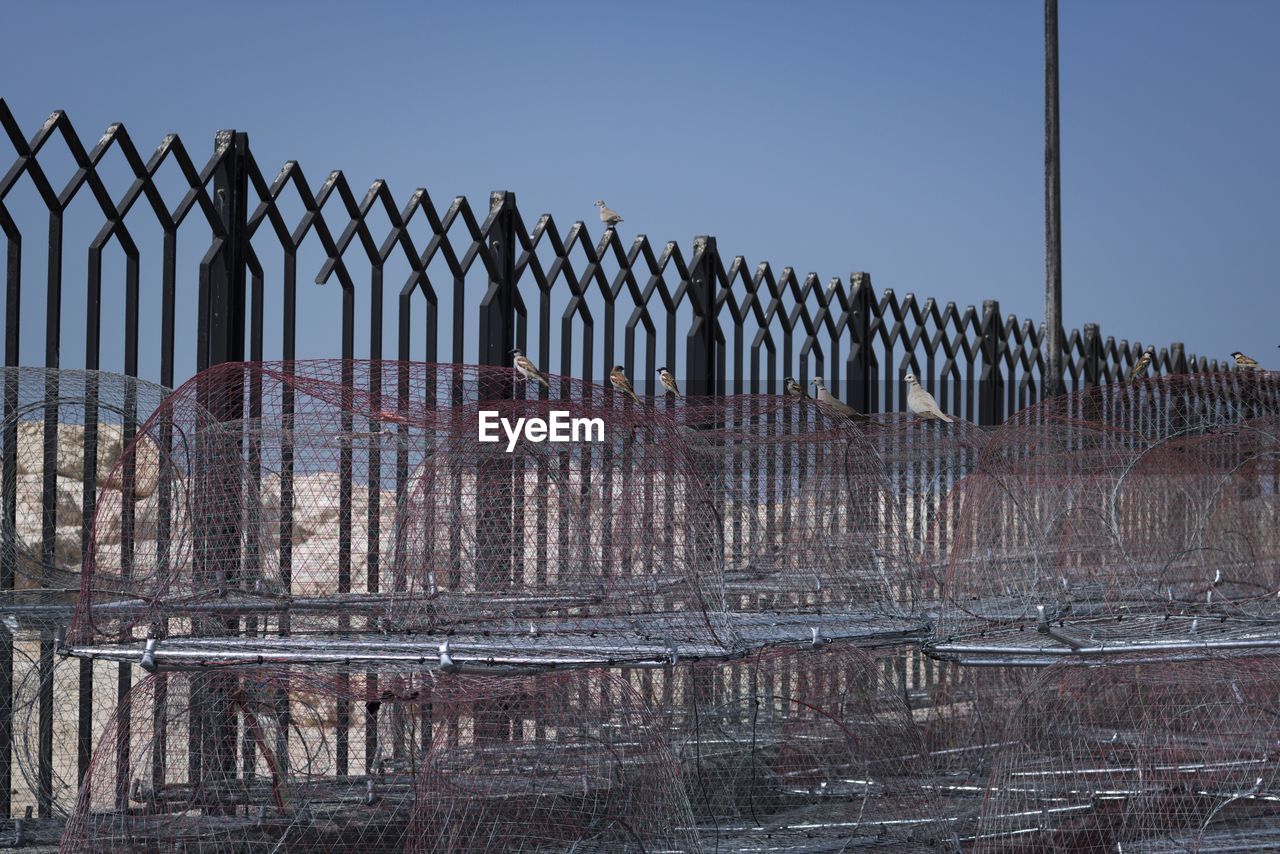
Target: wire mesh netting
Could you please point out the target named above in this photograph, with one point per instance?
(1159, 755)
(1091, 525)
(254, 759)
(62, 444)
(353, 500)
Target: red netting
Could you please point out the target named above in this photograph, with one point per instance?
(1153, 521)
(354, 499)
(1160, 755)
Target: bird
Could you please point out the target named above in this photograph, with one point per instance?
(1243, 362)
(835, 404)
(794, 389)
(668, 382)
(921, 403)
(618, 378)
(528, 369)
(608, 216)
(1140, 366)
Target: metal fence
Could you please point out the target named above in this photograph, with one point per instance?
(476, 284)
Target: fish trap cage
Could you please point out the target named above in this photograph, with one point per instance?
(347, 513)
(262, 759)
(1148, 756)
(1085, 531)
(62, 444)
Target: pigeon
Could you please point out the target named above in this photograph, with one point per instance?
(1243, 362)
(528, 369)
(618, 378)
(921, 403)
(835, 404)
(608, 216)
(794, 389)
(668, 382)
(1140, 366)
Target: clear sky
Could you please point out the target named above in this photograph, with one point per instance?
(901, 138)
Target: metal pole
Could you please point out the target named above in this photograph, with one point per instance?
(1052, 207)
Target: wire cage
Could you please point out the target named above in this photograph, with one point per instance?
(349, 512)
(1156, 755)
(1117, 533)
(260, 759)
(62, 439)
(803, 750)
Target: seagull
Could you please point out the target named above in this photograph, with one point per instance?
(608, 216)
(794, 389)
(835, 404)
(921, 403)
(528, 369)
(668, 382)
(618, 378)
(1243, 362)
(1140, 366)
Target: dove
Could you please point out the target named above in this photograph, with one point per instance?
(668, 382)
(1243, 362)
(794, 389)
(921, 403)
(618, 378)
(1140, 366)
(835, 404)
(528, 369)
(608, 216)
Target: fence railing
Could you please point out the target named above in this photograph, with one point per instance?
(221, 244)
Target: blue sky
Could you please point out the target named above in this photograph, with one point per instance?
(901, 138)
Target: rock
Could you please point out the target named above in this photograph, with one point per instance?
(70, 455)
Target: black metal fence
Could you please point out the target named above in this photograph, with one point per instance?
(223, 243)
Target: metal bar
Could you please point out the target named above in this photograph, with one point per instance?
(1053, 385)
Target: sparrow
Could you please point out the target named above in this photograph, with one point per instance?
(794, 389)
(830, 401)
(921, 403)
(607, 216)
(668, 382)
(1140, 366)
(618, 378)
(1243, 362)
(528, 369)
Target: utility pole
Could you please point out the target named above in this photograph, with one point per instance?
(1053, 384)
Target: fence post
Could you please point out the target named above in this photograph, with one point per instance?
(701, 353)
(863, 394)
(495, 478)
(222, 294)
(498, 308)
(218, 485)
(1093, 355)
(991, 384)
(1178, 359)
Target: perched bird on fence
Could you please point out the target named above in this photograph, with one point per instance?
(1243, 362)
(528, 369)
(607, 215)
(1140, 366)
(921, 403)
(618, 378)
(835, 404)
(794, 389)
(668, 382)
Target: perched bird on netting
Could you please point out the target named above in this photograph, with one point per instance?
(618, 378)
(668, 382)
(835, 404)
(791, 388)
(607, 215)
(528, 369)
(1244, 363)
(921, 404)
(1140, 366)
